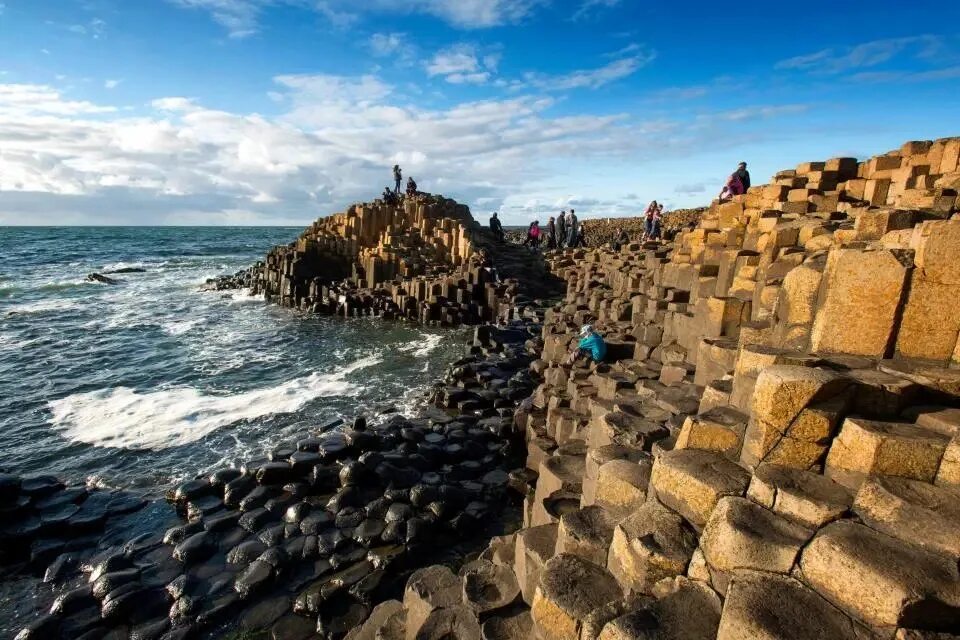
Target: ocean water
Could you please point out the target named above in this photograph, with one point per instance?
(145, 383)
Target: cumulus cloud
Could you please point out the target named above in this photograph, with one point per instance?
(462, 64)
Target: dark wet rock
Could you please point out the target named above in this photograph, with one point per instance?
(272, 536)
(182, 584)
(294, 546)
(298, 489)
(349, 554)
(204, 506)
(263, 614)
(352, 474)
(255, 577)
(250, 467)
(121, 504)
(229, 539)
(192, 490)
(183, 608)
(316, 522)
(183, 631)
(254, 520)
(66, 565)
(246, 552)
(176, 535)
(369, 531)
(345, 497)
(273, 473)
(102, 279)
(43, 628)
(80, 622)
(121, 601)
(371, 459)
(295, 513)
(220, 522)
(309, 444)
(330, 541)
(394, 532)
(258, 497)
(39, 487)
(361, 441)
(417, 529)
(325, 477)
(217, 610)
(293, 627)
(399, 512)
(73, 600)
(44, 550)
(349, 517)
(281, 453)
(199, 546)
(111, 581)
(398, 477)
(310, 550)
(377, 508)
(127, 270)
(276, 557)
(337, 621)
(332, 447)
(423, 494)
(223, 477)
(366, 587)
(238, 489)
(278, 505)
(150, 630)
(302, 462)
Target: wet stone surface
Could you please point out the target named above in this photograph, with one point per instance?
(300, 543)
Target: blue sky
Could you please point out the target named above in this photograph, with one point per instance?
(279, 111)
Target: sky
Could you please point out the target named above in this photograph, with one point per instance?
(264, 112)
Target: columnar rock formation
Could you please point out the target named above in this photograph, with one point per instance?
(411, 259)
(772, 448)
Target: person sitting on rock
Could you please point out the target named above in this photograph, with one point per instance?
(411, 187)
(389, 197)
(483, 261)
(737, 183)
(397, 178)
(591, 346)
(620, 239)
(496, 227)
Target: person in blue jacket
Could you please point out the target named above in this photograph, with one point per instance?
(591, 346)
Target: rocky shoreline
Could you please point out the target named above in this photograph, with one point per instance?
(304, 541)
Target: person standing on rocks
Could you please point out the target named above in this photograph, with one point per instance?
(648, 220)
(496, 227)
(551, 234)
(397, 178)
(591, 346)
(572, 228)
(562, 229)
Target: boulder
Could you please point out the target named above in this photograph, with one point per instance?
(570, 589)
(587, 533)
(651, 544)
(807, 498)
(691, 482)
(427, 590)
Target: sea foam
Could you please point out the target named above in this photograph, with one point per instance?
(123, 418)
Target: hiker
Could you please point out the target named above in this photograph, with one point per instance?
(562, 229)
(581, 239)
(620, 239)
(655, 222)
(572, 228)
(551, 234)
(533, 236)
(591, 346)
(389, 197)
(397, 178)
(496, 227)
(411, 187)
(737, 183)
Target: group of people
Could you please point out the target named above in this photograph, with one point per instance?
(563, 231)
(393, 197)
(737, 183)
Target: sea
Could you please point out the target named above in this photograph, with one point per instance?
(145, 383)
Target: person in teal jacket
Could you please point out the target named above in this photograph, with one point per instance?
(591, 346)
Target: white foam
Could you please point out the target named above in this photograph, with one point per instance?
(180, 327)
(423, 346)
(41, 306)
(124, 418)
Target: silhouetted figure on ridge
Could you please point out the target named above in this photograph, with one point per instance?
(496, 227)
(397, 178)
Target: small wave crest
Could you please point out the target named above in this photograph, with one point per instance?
(123, 418)
(422, 346)
(41, 306)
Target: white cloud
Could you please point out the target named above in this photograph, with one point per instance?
(589, 7)
(591, 78)
(111, 84)
(241, 17)
(462, 64)
(865, 55)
